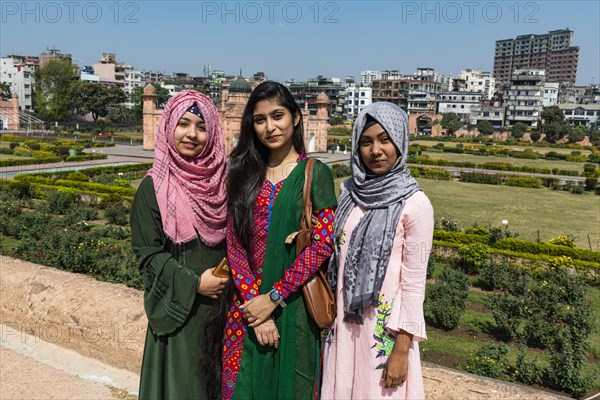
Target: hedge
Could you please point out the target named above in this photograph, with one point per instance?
(93, 171)
(87, 157)
(29, 161)
(85, 186)
(101, 195)
(524, 246)
(495, 166)
(481, 177)
(587, 269)
(459, 237)
(523, 181)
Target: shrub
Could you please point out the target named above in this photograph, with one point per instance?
(477, 230)
(32, 144)
(60, 201)
(42, 154)
(341, 170)
(436, 173)
(504, 277)
(591, 184)
(508, 312)
(78, 176)
(122, 183)
(489, 360)
(529, 373)
(524, 181)
(117, 214)
(13, 145)
(445, 301)
(22, 152)
(473, 257)
(562, 240)
(448, 224)
(479, 177)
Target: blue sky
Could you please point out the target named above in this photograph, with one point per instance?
(294, 39)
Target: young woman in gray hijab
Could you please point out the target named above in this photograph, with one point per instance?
(383, 233)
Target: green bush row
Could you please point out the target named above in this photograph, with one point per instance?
(459, 237)
(524, 246)
(496, 166)
(29, 161)
(84, 186)
(431, 173)
(87, 157)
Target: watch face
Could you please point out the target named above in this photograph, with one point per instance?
(275, 296)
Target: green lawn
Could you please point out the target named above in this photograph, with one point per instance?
(541, 163)
(130, 134)
(527, 210)
(431, 143)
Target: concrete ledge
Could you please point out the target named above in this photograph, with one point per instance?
(106, 322)
(96, 319)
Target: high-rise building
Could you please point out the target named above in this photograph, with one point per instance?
(525, 97)
(553, 52)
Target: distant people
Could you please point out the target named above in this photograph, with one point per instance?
(271, 348)
(178, 223)
(383, 233)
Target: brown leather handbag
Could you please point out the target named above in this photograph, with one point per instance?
(318, 297)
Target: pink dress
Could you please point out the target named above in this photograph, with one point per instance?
(354, 355)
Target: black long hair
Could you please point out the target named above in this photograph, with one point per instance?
(249, 158)
(247, 167)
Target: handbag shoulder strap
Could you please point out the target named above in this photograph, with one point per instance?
(307, 194)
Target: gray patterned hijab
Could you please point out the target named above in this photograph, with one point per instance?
(382, 197)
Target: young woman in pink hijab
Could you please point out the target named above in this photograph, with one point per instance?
(178, 222)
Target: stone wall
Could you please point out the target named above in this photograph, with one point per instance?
(97, 319)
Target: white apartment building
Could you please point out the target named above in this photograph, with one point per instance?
(526, 97)
(133, 79)
(366, 77)
(551, 93)
(582, 114)
(459, 103)
(357, 98)
(20, 78)
(478, 81)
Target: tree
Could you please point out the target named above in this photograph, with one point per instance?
(136, 97)
(6, 93)
(578, 133)
(518, 130)
(554, 125)
(124, 116)
(555, 131)
(336, 121)
(595, 137)
(535, 136)
(451, 122)
(95, 98)
(485, 127)
(52, 84)
(552, 114)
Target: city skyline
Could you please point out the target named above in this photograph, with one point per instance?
(294, 39)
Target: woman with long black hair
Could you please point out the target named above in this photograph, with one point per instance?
(271, 348)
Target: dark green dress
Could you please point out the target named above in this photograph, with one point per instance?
(175, 341)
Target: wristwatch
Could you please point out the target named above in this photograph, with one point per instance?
(276, 297)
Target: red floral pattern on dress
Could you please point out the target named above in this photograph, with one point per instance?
(247, 273)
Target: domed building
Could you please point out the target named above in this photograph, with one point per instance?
(231, 107)
(240, 85)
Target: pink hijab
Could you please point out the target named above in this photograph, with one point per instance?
(190, 192)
